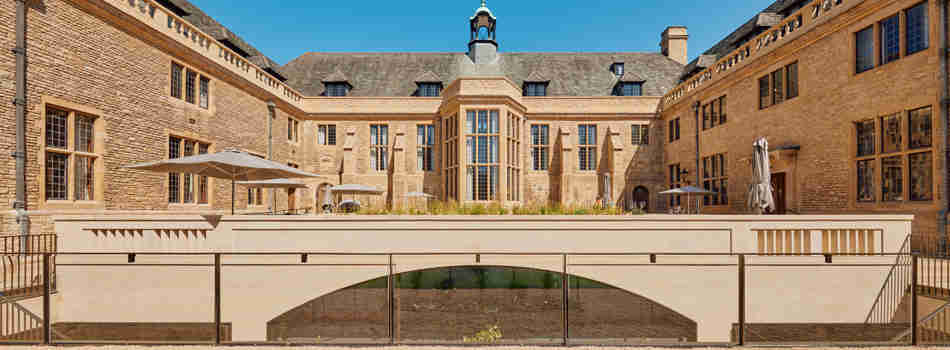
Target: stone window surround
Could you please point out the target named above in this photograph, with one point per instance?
(878, 156)
(199, 75)
(771, 98)
(99, 129)
(429, 148)
(293, 130)
(640, 134)
(714, 114)
(328, 130)
(875, 25)
(716, 175)
(260, 193)
(165, 185)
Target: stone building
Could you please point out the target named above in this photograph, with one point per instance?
(116, 82)
(848, 95)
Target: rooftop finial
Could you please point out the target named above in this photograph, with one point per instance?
(483, 3)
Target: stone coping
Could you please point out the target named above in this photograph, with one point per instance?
(129, 216)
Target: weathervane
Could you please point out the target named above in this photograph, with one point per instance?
(483, 3)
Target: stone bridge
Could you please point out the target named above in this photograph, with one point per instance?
(346, 251)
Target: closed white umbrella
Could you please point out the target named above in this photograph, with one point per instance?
(230, 164)
(760, 192)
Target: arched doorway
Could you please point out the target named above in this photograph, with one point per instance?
(641, 199)
(444, 305)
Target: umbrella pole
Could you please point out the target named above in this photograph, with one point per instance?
(232, 196)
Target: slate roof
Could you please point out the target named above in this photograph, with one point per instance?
(428, 77)
(395, 74)
(200, 19)
(768, 17)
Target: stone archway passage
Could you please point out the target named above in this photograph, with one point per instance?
(444, 305)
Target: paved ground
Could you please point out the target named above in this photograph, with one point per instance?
(117, 347)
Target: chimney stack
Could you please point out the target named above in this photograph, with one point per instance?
(673, 43)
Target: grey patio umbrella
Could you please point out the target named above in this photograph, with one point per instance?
(230, 164)
(688, 191)
(760, 192)
(276, 183)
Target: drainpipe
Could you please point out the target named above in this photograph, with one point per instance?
(945, 112)
(271, 114)
(20, 102)
(699, 200)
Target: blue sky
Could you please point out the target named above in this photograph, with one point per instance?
(285, 29)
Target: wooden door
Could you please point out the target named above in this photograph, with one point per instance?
(778, 193)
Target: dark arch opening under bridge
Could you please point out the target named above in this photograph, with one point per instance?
(446, 304)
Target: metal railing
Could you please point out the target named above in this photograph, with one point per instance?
(18, 323)
(386, 262)
(21, 264)
(893, 293)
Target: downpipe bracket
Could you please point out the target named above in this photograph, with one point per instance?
(18, 50)
(19, 102)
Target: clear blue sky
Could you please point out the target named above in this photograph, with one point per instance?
(285, 29)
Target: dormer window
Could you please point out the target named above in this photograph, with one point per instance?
(535, 88)
(628, 89)
(337, 89)
(429, 90)
(617, 68)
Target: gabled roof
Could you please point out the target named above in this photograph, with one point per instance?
(536, 77)
(336, 77)
(428, 77)
(396, 74)
(631, 77)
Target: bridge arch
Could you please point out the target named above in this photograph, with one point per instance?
(447, 303)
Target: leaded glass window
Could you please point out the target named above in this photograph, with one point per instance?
(176, 77)
(379, 150)
(890, 39)
(482, 139)
(56, 128)
(326, 135)
(864, 50)
(535, 89)
(892, 179)
(63, 159)
(921, 133)
(430, 89)
(917, 30)
(425, 140)
(56, 176)
(190, 80)
(921, 176)
(865, 131)
(640, 134)
(204, 92)
(866, 180)
(540, 147)
(587, 147)
(778, 88)
(891, 134)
